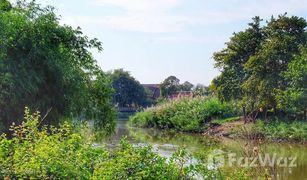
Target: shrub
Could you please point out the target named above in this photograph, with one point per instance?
(136, 163)
(46, 153)
(186, 114)
(278, 129)
(59, 153)
(275, 129)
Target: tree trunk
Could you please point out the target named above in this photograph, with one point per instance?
(266, 114)
(244, 114)
(254, 118)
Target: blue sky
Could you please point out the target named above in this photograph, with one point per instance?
(156, 38)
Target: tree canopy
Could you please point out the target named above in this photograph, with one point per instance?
(169, 86)
(128, 91)
(172, 85)
(5, 5)
(48, 67)
(186, 86)
(257, 62)
(201, 90)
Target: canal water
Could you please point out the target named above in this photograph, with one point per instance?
(290, 160)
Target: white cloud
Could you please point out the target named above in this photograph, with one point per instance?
(208, 39)
(146, 6)
(143, 15)
(156, 16)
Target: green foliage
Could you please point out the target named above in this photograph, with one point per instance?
(275, 129)
(128, 91)
(186, 86)
(34, 153)
(169, 86)
(201, 90)
(186, 114)
(60, 153)
(231, 61)
(48, 66)
(5, 5)
(294, 98)
(262, 68)
(139, 163)
(226, 120)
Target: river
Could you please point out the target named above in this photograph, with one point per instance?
(290, 160)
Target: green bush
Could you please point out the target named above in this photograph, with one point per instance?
(278, 129)
(59, 153)
(274, 129)
(186, 114)
(136, 163)
(41, 154)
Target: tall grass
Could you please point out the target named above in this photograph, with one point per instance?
(276, 130)
(186, 114)
(284, 130)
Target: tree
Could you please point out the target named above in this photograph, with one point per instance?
(169, 86)
(254, 63)
(5, 5)
(48, 67)
(283, 36)
(128, 91)
(294, 98)
(201, 90)
(231, 60)
(186, 86)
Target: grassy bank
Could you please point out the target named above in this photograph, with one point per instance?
(187, 114)
(274, 130)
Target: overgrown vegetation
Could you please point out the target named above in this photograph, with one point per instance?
(61, 153)
(171, 85)
(264, 68)
(128, 91)
(185, 114)
(225, 120)
(275, 129)
(48, 67)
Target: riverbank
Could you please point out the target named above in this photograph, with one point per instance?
(167, 141)
(62, 153)
(273, 130)
(185, 114)
(212, 117)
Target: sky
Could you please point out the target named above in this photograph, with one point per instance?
(153, 39)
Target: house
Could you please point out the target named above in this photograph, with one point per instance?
(153, 90)
(181, 94)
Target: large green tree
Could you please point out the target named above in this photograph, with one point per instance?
(283, 36)
(186, 86)
(254, 63)
(169, 86)
(5, 5)
(128, 91)
(48, 67)
(231, 60)
(294, 98)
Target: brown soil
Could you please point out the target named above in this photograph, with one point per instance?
(223, 130)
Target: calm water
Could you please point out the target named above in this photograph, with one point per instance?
(167, 142)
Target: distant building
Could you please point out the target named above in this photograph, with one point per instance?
(181, 94)
(154, 91)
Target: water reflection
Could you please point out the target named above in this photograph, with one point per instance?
(167, 142)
